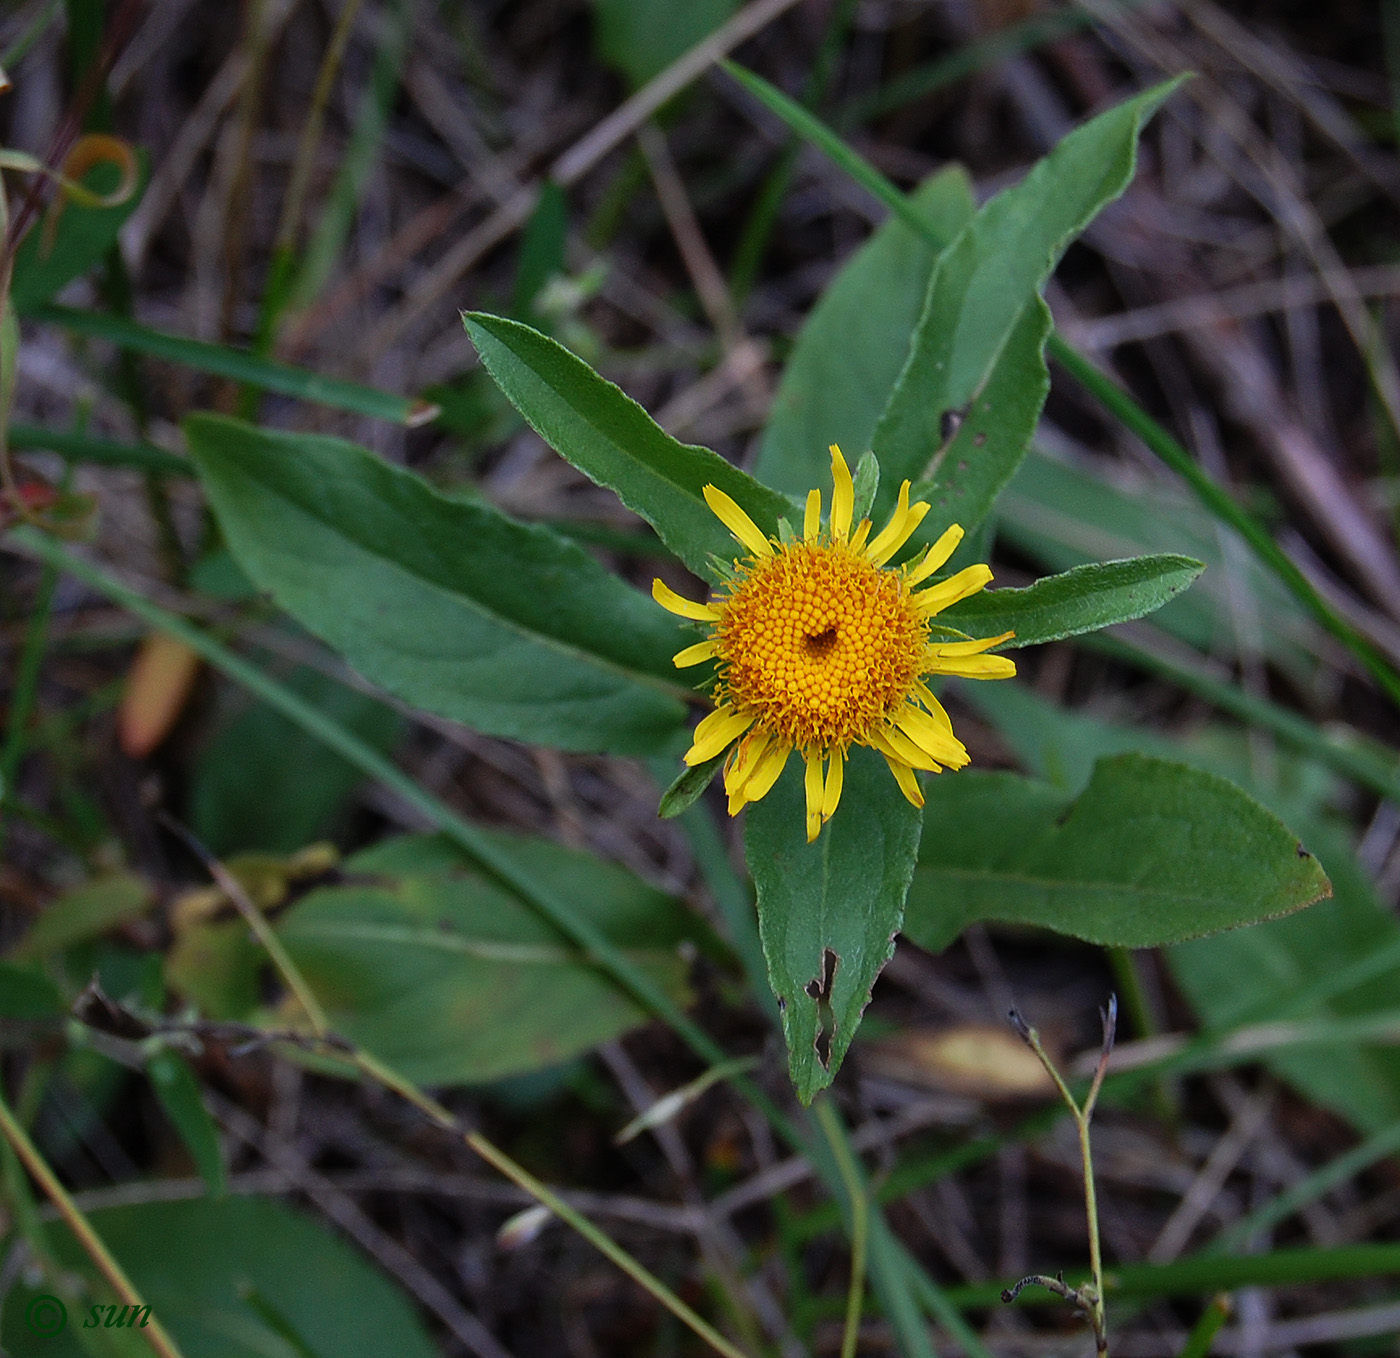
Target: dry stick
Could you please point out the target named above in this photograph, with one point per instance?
(153, 1331)
(390, 1079)
(570, 167)
(1088, 1298)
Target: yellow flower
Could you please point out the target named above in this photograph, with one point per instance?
(820, 646)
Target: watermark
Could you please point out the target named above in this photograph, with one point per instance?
(46, 1316)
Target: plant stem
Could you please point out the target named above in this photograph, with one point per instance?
(1088, 1298)
(860, 1219)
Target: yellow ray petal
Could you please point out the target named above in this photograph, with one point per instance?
(743, 759)
(974, 647)
(674, 603)
(693, 655)
(930, 737)
(843, 496)
(716, 731)
(905, 748)
(935, 557)
(835, 776)
(760, 782)
(862, 532)
(738, 523)
(938, 597)
(912, 520)
(812, 519)
(895, 745)
(978, 667)
(908, 784)
(814, 794)
(896, 532)
(940, 715)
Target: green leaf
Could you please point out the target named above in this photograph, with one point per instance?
(239, 365)
(177, 1091)
(828, 912)
(854, 341)
(1151, 852)
(642, 37)
(615, 443)
(84, 912)
(982, 303)
(1339, 960)
(452, 979)
(542, 247)
(83, 237)
(238, 1277)
(241, 796)
(689, 787)
(26, 993)
(1078, 601)
(1065, 516)
(448, 605)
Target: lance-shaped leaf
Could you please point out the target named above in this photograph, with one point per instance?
(1151, 852)
(828, 912)
(1077, 601)
(983, 310)
(448, 605)
(855, 340)
(615, 443)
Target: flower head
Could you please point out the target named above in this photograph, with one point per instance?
(819, 645)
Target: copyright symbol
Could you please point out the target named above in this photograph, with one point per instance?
(45, 1316)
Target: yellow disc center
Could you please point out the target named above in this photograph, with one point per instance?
(823, 643)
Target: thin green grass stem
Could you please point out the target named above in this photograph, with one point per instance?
(1308, 1189)
(239, 365)
(1366, 761)
(92, 1244)
(852, 1181)
(1205, 1273)
(1224, 507)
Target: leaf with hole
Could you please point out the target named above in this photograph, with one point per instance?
(828, 912)
(853, 343)
(977, 351)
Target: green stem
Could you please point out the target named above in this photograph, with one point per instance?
(92, 1244)
(831, 1127)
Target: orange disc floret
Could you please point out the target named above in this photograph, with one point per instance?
(822, 644)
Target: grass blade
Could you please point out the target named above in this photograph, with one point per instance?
(240, 366)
